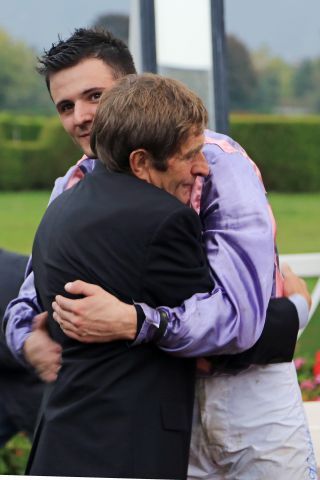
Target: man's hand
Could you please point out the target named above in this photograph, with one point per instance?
(41, 351)
(99, 317)
(293, 284)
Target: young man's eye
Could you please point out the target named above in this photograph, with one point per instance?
(96, 95)
(65, 107)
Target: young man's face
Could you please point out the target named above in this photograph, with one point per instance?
(76, 92)
(183, 167)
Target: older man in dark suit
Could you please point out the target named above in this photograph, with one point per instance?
(117, 411)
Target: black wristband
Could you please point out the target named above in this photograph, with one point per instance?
(162, 325)
(140, 318)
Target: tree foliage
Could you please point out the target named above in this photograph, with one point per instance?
(303, 78)
(306, 81)
(242, 77)
(21, 88)
(261, 82)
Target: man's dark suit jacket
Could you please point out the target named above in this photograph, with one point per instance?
(116, 410)
(20, 389)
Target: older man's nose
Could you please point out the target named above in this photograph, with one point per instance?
(200, 166)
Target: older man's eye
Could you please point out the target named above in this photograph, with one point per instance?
(191, 155)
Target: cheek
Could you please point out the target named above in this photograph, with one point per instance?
(94, 108)
(67, 124)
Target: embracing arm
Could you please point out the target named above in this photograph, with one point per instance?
(20, 313)
(101, 317)
(230, 318)
(239, 245)
(26, 333)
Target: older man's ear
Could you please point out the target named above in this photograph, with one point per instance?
(140, 163)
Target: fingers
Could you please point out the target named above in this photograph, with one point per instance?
(286, 270)
(48, 373)
(99, 315)
(48, 364)
(76, 288)
(67, 320)
(66, 325)
(81, 288)
(40, 321)
(43, 354)
(61, 313)
(294, 285)
(48, 377)
(63, 303)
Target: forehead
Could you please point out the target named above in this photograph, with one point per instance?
(193, 141)
(70, 83)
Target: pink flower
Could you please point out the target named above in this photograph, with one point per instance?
(307, 385)
(299, 362)
(316, 367)
(317, 380)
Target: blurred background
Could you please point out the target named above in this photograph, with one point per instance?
(271, 57)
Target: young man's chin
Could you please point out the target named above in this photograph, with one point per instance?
(86, 149)
(84, 143)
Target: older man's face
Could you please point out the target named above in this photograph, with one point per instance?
(183, 168)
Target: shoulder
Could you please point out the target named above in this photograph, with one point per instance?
(151, 210)
(134, 196)
(228, 161)
(220, 143)
(178, 221)
(161, 214)
(221, 148)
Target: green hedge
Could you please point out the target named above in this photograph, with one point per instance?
(286, 149)
(20, 127)
(36, 164)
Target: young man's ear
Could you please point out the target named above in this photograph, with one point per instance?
(140, 162)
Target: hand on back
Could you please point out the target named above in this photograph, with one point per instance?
(98, 317)
(40, 351)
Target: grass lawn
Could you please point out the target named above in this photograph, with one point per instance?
(20, 214)
(298, 222)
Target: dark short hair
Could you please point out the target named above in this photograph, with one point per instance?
(145, 111)
(87, 43)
